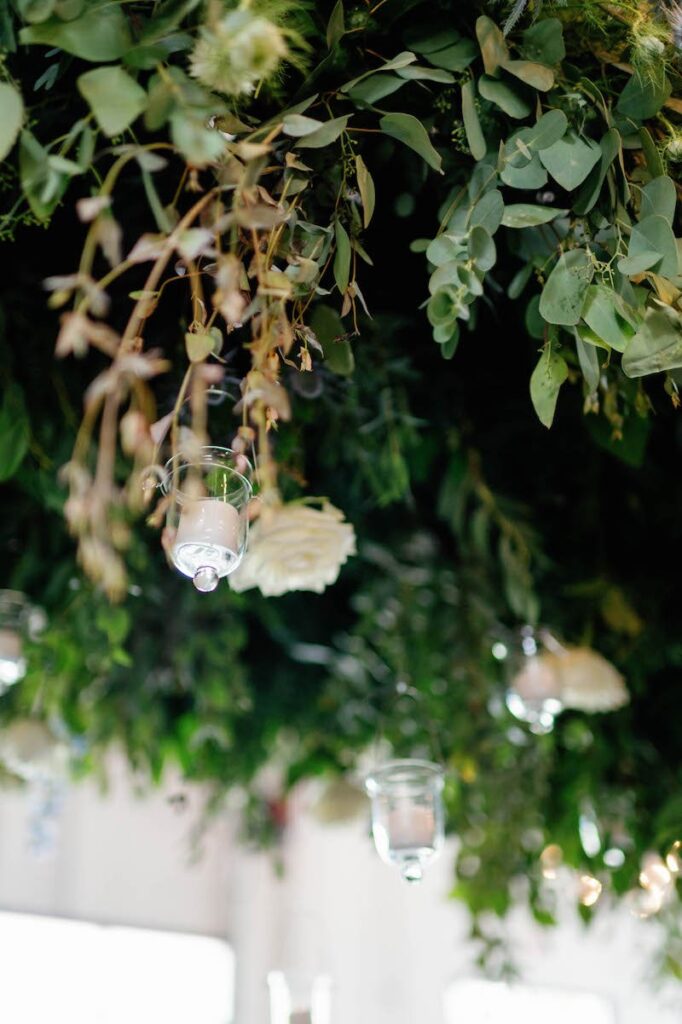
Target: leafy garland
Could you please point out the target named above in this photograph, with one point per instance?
(251, 145)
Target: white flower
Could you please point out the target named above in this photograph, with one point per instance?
(30, 750)
(295, 547)
(589, 682)
(233, 55)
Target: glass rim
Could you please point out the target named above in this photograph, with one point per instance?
(381, 776)
(206, 454)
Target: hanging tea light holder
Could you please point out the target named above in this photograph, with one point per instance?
(407, 814)
(300, 998)
(207, 517)
(16, 622)
(534, 693)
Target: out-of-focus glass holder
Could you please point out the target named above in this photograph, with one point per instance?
(14, 614)
(208, 513)
(534, 688)
(299, 999)
(407, 814)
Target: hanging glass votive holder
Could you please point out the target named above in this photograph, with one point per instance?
(14, 612)
(534, 687)
(300, 998)
(208, 513)
(407, 814)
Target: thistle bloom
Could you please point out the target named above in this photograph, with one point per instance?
(234, 54)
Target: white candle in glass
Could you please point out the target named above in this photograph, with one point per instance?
(411, 826)
(537, 680)
(210, 522)
(301, 1017)
(12, 662)
(10, 645)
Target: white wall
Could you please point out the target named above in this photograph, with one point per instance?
(390, 949)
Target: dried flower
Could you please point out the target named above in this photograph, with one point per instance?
(237, 52)
(295, 547)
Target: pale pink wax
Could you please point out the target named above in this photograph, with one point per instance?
(410, 826)
(10, 645)
(209, 521)
(301, 1017)
(536, 681)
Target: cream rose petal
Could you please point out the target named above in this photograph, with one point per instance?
(295, 547)
(589, 682)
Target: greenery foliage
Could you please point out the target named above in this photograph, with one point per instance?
(269, 203)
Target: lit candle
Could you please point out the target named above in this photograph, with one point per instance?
(208, 521)
(411, 826)
(301, 1017)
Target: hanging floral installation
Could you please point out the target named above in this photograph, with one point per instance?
(321, 278)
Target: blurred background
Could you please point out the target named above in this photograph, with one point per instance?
(111, 912)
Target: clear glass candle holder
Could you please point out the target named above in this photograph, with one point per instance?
(299, 998)
(13, 621)
(208, 513)
(407, 814)
(534, 687)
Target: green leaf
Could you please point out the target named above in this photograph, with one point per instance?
(454, 58)
(42, 185)
(113, 96)
(544, 42)
(482, 248)
(420, 74)
(399, 61)
(34, 10)
(655, 234)
(535, 75)
(533, 322)
(631, 266)
(429, 40)
(298, 125)
(199, 346)
(643, 96)
(342, 257)
(328, 328)
(564, 293)
(449, 347)
(324, 136)
(545, 384)
(589, 193)
(408, 130)
(198, 144)
(570, 160)
(523, 144)
(373, 89)
(15, 431)
(336, 26)
(656, 346)
(472, 125)
(11, 117)
(652, 156)
(366, 189)
(100, 34)
(488, 211)
(603, 312)
(525, 215)
(497, 91)
(519, 281)
(588, 357)
(659, 196)
(493, 45)
(533, 175)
